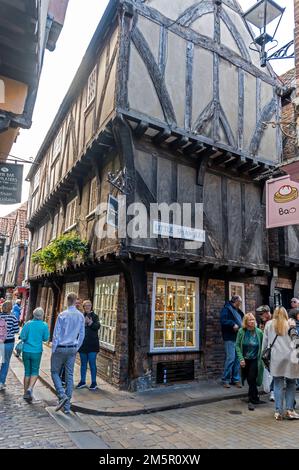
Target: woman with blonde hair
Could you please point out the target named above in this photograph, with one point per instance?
(249, 352)
(281, 368)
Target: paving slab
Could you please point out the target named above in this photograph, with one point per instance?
(109, 401)
(87, 440)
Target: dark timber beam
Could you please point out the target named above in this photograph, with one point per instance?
(194, 148)
(161, 136)
(141, 129)
(224, 157)
(179, 143)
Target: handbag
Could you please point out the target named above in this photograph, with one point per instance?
(19, 348)
(266, 356)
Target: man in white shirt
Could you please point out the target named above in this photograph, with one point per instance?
(67, 339)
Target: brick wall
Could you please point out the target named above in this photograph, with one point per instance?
(214, 350)
(288, 115)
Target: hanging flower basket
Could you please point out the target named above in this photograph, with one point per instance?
(64, 250)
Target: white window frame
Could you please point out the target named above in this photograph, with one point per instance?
(91, 87)
(153, 311)
(40, 237)
(69, 224)
(109, 346)
(238, 284)
(55, 226)
(57, 145)
(68, 288)
(93, 203)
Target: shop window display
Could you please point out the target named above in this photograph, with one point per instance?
(175, 315)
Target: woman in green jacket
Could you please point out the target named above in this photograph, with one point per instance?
(249, 351)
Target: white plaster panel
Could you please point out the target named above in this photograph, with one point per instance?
(227, 39)
(228, 85)
(266, 94)
(151, 33)
(175, 75)
(171, 8)
(204, 25)
(108, 104)
(113, 42)
(268, 147)
(240, 24)
(249, 108)
(139, 80)
(202, 81)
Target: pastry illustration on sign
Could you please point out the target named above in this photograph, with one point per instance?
(286, 194)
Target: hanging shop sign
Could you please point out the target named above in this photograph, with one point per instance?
(282, 202)
(112, 211)
(2, 245)
(11, 179)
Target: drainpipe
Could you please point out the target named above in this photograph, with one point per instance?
(272, 287)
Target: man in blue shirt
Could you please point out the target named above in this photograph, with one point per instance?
(17, 309)
(67, 339)
(231, 320)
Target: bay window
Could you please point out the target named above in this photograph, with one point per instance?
(105, 306)
(175, 313)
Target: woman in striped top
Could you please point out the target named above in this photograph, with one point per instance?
(12, 329)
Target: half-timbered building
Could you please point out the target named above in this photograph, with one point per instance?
(171, 100)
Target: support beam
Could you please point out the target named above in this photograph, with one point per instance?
(141, 129)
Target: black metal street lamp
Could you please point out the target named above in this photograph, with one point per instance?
(261, 15)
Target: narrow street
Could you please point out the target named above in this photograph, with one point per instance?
(226, 424)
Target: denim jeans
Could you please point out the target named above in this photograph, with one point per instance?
(8, 349)
(64, 357)
(232, 365)
(90, 358)
(279, 393)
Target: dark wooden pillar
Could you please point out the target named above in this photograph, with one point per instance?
(139, 325)
(56, 288)
(32, 299)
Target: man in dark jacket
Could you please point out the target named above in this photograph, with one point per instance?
(231, 320)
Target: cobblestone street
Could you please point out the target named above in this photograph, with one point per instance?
(226, 424)
(24, 425)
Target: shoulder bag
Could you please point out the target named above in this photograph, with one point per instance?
(266, 356)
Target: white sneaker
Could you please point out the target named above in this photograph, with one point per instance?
(2, 387)
(272, 398)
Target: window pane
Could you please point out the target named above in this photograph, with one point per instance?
(160, 321)
(190, 338)
(169, 338)
(159, 339)
(180, 338)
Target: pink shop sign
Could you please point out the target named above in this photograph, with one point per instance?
(282, 202)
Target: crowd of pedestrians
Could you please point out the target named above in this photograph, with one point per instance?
(259, 348)
(257, 342)
(74, 332)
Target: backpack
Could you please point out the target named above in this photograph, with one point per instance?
(3, 330)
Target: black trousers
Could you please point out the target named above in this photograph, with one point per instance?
(250, 373)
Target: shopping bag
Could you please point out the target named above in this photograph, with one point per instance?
(267, 379)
